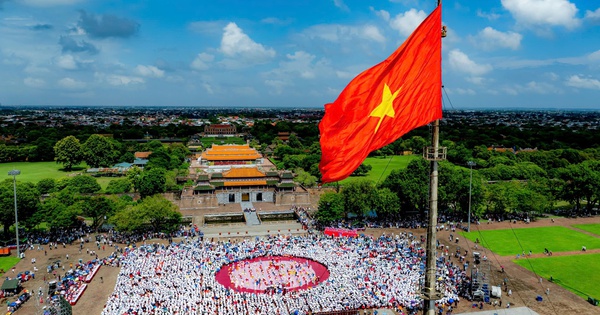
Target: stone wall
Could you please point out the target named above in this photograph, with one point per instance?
(292, 198)
(223, 197)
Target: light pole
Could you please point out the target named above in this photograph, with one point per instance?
(471, 164)
(14, 174)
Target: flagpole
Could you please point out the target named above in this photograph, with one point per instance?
(432, 154)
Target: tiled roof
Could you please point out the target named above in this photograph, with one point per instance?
(243, 172)
(142, 155)
(230, 153)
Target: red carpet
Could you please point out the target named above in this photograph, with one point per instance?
(262, 274)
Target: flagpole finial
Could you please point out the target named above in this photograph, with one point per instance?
(444, 31)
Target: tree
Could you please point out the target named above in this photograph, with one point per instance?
(358, 196)
(304, 178)
(134, 174)
(151, 182)
(68, 152)
(386, 202)
(411, 185)
(99, 151)
(46, 186)
(85, 184)
(28, 201)
(98, 208)
(119, 186)
(362, 170)
(331, 208)
(154, 211)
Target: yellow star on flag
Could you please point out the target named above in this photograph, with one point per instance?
(386, 107)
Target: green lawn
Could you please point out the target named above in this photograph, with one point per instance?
(592, 228)
(208, 141)
(6, 263)
(556, 239)
(579, 274)
(34, 171)
(382, 167)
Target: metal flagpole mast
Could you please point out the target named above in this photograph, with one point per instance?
(434, 154)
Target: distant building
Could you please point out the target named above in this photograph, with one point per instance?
(501, 149)
(220, 130)
(142, 155)
(283, 136)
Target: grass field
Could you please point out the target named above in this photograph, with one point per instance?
(34, 171)
(582, 280)
(208, 141)
(382, 167)
(7, 262)
(592, 228)
(514, 241)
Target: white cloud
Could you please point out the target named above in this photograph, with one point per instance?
(583, 83)
(340, 4)
(34, 82)
(459, 61)
(66, 62)
(116, 80)
(551, 76)
(276, 85)
(593, 16)
(489, 16)
(201, 62)
(339, 33)
(476, 80)
(489, 39)
(542, 88)
(301, 62)
(595, 56)
(69, 83)
(462, 91)
(372, 32)
(48, 3)
(276, 21)
(405, 23)
(543, 12)
(149, 71)
(235, 43)
(383, 14)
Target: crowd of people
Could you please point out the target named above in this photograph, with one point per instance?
(364, 273)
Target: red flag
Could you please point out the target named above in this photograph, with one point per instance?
(384, 102)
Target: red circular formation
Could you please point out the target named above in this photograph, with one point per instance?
(272, 274)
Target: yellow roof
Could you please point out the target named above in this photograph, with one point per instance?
(230, 153)
(245, 183)
(243, 173)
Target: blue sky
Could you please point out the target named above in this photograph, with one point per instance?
(498, 53)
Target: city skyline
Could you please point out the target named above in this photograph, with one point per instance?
(498, 54)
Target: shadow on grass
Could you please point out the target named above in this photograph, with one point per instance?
(73, 169)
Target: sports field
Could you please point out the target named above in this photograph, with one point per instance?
(514, 241)
(579, 274)
(382, 167)
(34, 171)
(592, 228)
